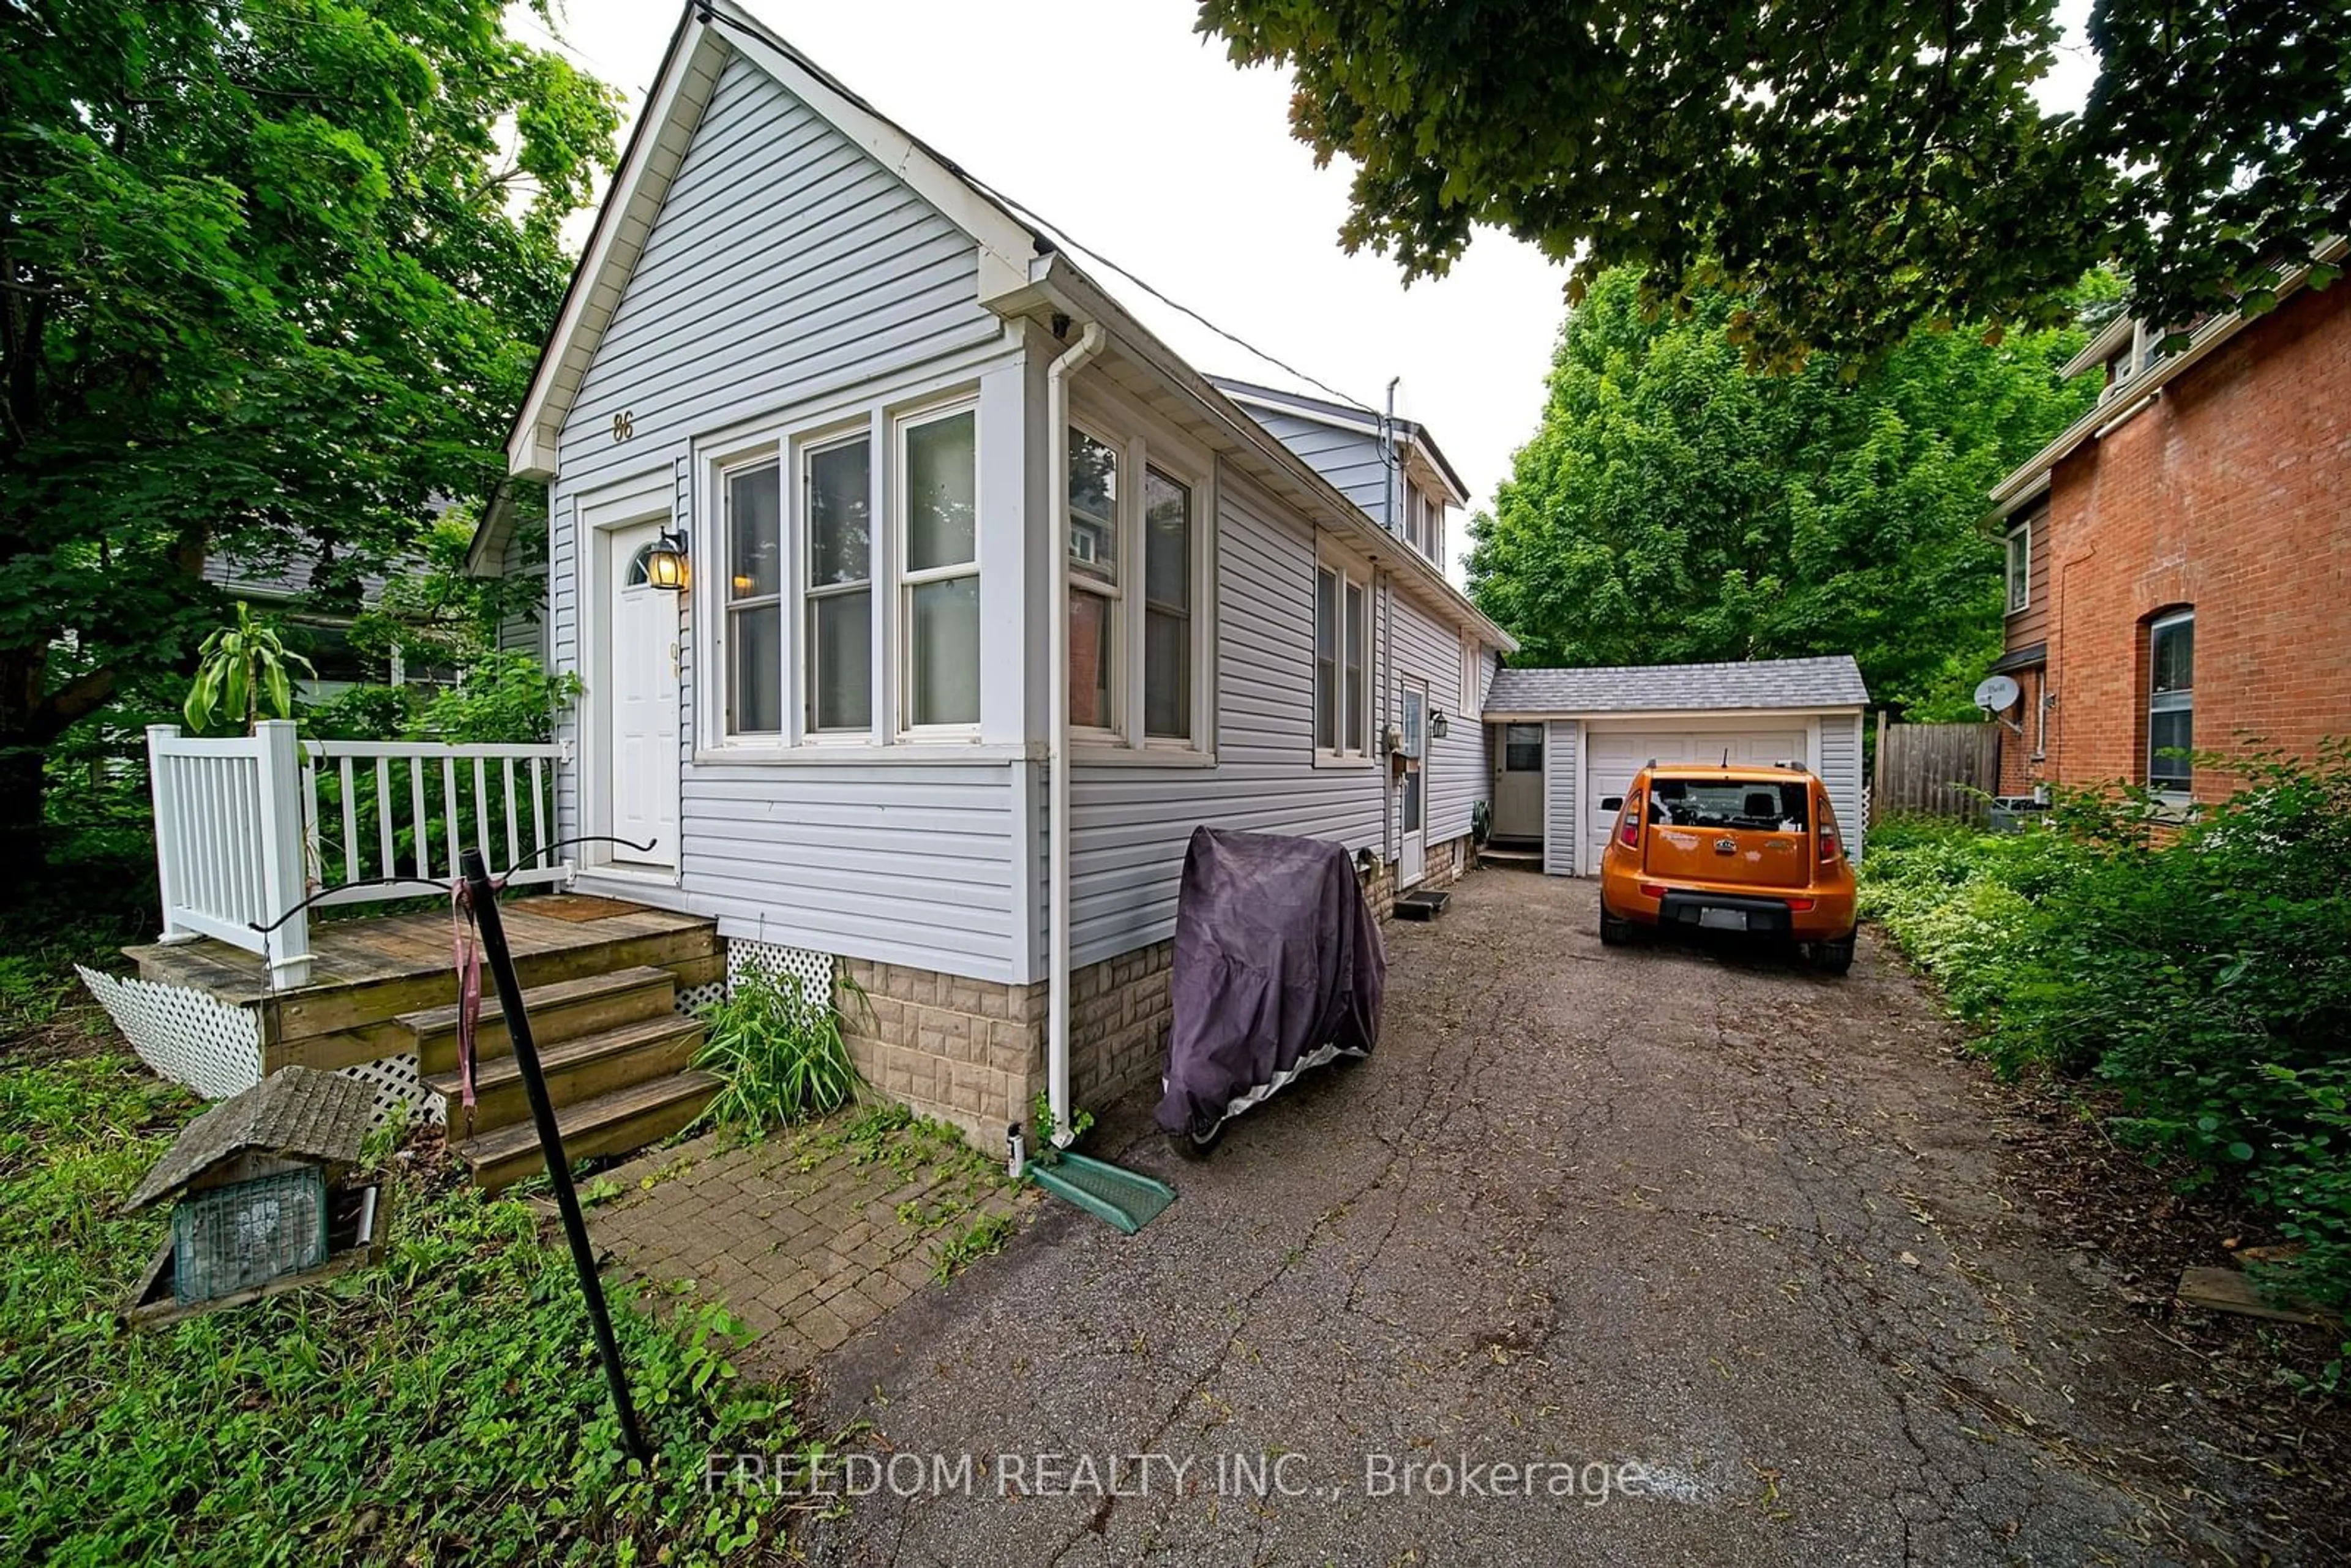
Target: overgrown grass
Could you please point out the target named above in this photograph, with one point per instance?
(776, 1048)
(444, 1407)
(2204, 973)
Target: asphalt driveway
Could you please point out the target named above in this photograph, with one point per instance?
(1694, 1217)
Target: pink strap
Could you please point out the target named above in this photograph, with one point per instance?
(467, 949)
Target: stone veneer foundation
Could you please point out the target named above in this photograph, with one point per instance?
(972, 1052)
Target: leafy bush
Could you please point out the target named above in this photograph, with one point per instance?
(503, 697)
(445, 1406)
(2202, 970)
(778, 1049)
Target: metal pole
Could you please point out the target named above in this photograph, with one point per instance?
(484, 899)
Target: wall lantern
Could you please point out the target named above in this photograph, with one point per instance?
(666, 565)
(1437, 723)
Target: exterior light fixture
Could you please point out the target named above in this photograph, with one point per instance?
(1437, 723)
(666, 566)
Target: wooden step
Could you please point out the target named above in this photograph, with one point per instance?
(625, 1120)
(564, 1010)
(576, 1070)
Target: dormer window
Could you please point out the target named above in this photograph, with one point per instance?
(1424, 523)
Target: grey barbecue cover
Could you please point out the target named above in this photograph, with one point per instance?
(1279, 968)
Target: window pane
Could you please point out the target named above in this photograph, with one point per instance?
(840, 661)
(755, 551)
(1168, 541)
(946, 652)
(1352, 658)
(1089, 661)
(1412, 802)
(2172, 656)
(839, 514)
(1326, 668)
(1093, 507)
(1167, 674)
(2167, 731)
(756, 692)
(942, 492)
(1522, 748)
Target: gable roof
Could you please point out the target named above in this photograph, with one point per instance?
(1021, 269)
(1345, 416)
(1822, 683)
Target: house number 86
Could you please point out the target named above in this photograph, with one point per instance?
(624, 425)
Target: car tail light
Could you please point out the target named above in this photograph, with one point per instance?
(1653, 890)
(1830, 848)
(1800, 905)
(1628, 832)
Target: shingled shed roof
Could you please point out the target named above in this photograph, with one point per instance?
(1825, 683)
(297, 1113)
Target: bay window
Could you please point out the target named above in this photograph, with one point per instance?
(938, 505)
(837, 501)
(755, 602)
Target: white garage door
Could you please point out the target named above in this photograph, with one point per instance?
(1614, 755)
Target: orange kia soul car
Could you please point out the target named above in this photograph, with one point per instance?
(1744, 848)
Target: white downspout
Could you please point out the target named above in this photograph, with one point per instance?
(1057, 750)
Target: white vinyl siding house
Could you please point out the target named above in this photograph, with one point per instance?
(803, 344)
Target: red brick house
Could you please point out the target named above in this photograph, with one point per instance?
(2179, 560)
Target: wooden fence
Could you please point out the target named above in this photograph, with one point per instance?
(1932, 769)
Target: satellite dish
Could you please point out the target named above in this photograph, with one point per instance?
(1997, 694)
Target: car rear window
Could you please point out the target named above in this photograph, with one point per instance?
(1758, 806)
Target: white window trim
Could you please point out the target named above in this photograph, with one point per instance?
(1124, 531)
(1351, 571)
(903, 580)
(1473, 659)
(1143, 443)
(2019, 538)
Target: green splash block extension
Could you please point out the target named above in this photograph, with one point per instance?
(1128, 1199)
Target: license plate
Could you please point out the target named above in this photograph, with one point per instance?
(1723, 919)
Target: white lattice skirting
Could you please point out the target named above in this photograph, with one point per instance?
(814, 970)
(185, 1035)
(214, 1049)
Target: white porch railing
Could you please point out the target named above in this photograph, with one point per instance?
(247, 829)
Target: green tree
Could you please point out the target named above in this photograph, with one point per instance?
(1859, 170)
(1673, 507)
(272, 274)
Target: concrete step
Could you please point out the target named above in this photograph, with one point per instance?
(576, 1070)
(563, 1011)
(625, 1120)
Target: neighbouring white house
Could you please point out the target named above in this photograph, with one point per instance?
(950, 517)
(1566, 742)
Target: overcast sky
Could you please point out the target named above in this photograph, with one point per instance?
(1123, 127)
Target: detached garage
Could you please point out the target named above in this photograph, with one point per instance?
(1565, 740)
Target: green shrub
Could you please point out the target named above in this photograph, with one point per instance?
(778, 1049)
(442, 1406)
(2201, 969)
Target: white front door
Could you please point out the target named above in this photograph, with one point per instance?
(1413, 855)
(640, 702)
(1613, 757)
(1519, 781)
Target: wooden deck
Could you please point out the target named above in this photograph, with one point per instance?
(367, 972)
